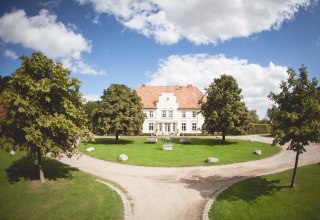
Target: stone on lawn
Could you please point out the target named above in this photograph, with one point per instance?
(258, 152)
(36, 162)
(212, 160)
(12, 153)
(123, 157)
(89, 149)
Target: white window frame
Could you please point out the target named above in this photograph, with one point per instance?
(194, 114)
(164, 113)
(194, 126)
(170, 113)
(183, 114)
(183, 126)
(151, 114)
(151, 127)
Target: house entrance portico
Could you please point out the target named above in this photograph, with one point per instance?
(166, 127)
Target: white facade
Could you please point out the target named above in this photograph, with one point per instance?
(168, 118)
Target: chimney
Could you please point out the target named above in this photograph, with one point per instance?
(189, 85)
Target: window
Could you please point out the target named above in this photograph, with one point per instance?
(167, 127)
(160, 127)
(183, 114)
(170, 114)
(164, 113)
(150, 126)
(151, 114)
(194, 126)
(194, 114)
(173, 127)
(183, 127)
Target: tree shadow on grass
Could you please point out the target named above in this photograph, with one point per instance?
(250, 189)
(206, 141)
(243, 189)
(207, 186)
(110, 141)
(24, 169)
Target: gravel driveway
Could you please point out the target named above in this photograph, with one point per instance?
(181, 193)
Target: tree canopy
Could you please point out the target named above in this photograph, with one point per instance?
(43, 110)
(118, 112)
(224, 110)
(297, 113)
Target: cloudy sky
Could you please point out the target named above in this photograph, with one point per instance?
(165, 42)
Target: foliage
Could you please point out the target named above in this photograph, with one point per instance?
(262, 197)
(259, 129)
(297, 114)
(223, 110)
(43, 110)
(118, 112)
(69, 193)
(89, 108)
(194, 154)
(253, 116)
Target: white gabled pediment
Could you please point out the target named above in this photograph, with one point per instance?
(167, 100)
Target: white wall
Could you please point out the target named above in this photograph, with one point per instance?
(168, 102)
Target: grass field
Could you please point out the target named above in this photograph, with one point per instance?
(268, 197)
(67, 194)
(194, 154)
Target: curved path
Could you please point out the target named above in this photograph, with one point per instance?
(181, 193)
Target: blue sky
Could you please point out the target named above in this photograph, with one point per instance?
(164, 42)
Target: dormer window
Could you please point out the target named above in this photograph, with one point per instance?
(194, 114)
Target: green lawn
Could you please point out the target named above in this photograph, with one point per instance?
(67, 194)
(268, 197)
(195, 154)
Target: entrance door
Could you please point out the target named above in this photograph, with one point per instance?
(167, 127)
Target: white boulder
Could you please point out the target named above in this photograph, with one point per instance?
(89, 149)
(212, 160)
(12, 153)
(123, 157)
(36, 162)
(258, 152)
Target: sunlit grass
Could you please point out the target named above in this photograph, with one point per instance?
(194, 154)
(67, 193)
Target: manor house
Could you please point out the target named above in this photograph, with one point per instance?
(171, 109)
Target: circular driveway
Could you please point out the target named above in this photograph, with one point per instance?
(181, 193)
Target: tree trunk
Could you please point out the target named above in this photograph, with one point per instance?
(295, 169)
(117, 136)
(41, 174)
(223, 133)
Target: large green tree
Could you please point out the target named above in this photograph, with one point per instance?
(89, 108)
(297, 113)
(119, 112)
(43, 110)
(224, 110)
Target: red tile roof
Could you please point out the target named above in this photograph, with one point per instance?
(188, 97)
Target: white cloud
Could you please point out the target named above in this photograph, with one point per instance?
(10, 54)
(91, 98)
(200, 70)
(79, 66)
(44, 33)
(201, 22)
